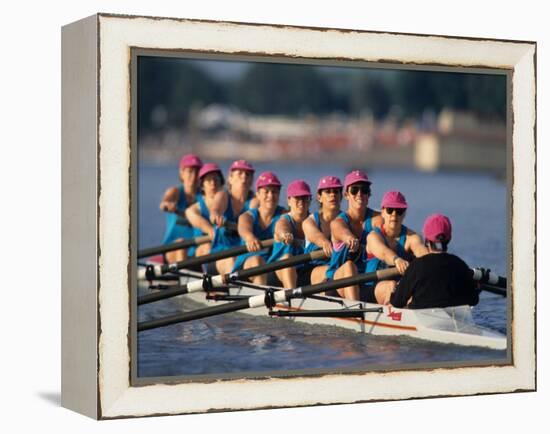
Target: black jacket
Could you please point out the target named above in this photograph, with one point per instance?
(436, 280)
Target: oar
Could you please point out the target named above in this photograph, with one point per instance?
(152, 272)
(489, 281)
(183, 244)
(224, 279)
(269, 300)
(151, 251)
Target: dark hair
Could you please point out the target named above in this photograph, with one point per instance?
(220, 177)
(440, 244)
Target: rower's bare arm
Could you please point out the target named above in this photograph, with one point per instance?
(341, 233)
(245, 227)
(313, 234)
(416, 245)
(377, 247)
(219, 205)
(283, 231)
(194, 216)
(169, 200)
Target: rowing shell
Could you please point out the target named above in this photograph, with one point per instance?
(452, 325)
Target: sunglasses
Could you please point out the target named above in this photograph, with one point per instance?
(399, 211)
(354, 189)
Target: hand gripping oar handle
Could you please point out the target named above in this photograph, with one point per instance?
(268, 299)
(216, 281)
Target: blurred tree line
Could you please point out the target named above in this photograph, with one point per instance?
(170, 88)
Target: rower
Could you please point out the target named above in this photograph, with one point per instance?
(391, 244)
(259, 224)
(175, 201)
(289, 235)
(349, 232)
(317, 226)
(437, 279)
(227, 207)
(211, 183)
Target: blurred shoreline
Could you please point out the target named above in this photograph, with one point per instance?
(449, 141)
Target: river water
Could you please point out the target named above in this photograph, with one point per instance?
(238, 344)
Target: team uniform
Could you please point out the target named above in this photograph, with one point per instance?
(341, 252)
(177, 229)
(311, 247)
(374, 264)
(296, 248)
(224, 237)
(261, 234)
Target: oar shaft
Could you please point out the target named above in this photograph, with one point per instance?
(277, 265)
(152, 251)
(493, 290)
(196, 314)
(183, 244)
(234, 251)
(161, 295)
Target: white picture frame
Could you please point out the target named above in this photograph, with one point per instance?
(97, 209)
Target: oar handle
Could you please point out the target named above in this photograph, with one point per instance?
(268, 299)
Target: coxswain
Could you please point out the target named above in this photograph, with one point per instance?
(439, 278)
(317, 226)
(392, 244)
(258, 224)
(289, 235)
(349, 232)
(175, 201)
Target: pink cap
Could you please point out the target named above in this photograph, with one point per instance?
(241, 165)
(266, 179)
(298, 188)
(190, 160)
(437, 227)
(354, 177)
(209, 168)
(329, 182)
(393, 199)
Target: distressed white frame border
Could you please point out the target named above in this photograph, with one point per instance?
(116, 35)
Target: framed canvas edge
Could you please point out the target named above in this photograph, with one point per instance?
(121, 400)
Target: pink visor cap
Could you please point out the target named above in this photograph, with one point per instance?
(329, 182)
(354, 177)
(210, 168)
(241, 165)
(190, 160)
(267, 179)
(437, 228)
(298, 188)
(393, 199)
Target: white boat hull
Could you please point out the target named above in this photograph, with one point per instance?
(453, 325)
